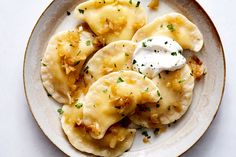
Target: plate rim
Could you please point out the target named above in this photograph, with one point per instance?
(222, 92)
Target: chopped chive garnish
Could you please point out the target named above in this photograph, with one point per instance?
(181, 81)
(78, 105)
(158, 93)
(138, 3)
(60, 111)
(88, 42)
(105, 90)
(144, 44)
(76, 63)
(81, 11)
(134, 61)
(119, 80)
(145, 133)
(78, 52)
(171, 27)
(173, 53)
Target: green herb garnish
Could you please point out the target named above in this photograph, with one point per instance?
(88, 42)
(158, 93)
(145, 133)
(78, 105)
(138, 3)
(119, 80)
(78, 52)
(60, 111)
(181, 81)
(76, 63)
(144, 44)
(81, 11)
(173, 53)
(105, 90)
(171, 27)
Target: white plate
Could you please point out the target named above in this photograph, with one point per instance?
(178, 138)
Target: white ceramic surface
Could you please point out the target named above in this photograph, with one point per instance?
(177, 139)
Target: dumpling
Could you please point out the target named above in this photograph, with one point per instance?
(175, 26)
(115, 142)
(62, 62)
(113, 97)
(115, 56)
(176, 90)
(112, 20)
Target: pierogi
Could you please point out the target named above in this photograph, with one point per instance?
(115, 56)
(175, 26)
(62, 62)
(112, 20)
(176, 90)
(115, 96)
(114, 143)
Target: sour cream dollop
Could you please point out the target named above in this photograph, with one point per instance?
(156, 54)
